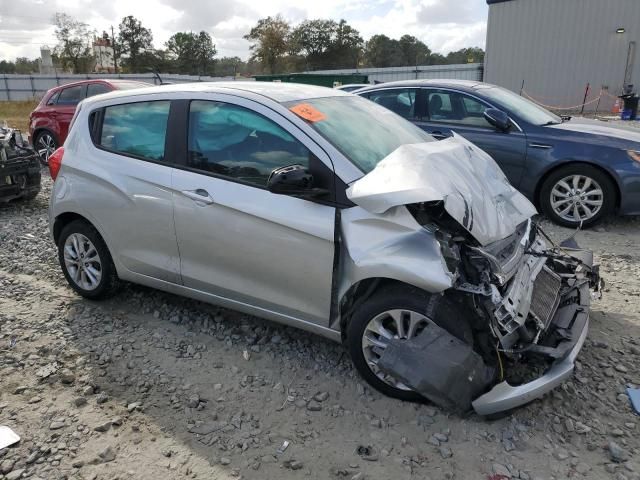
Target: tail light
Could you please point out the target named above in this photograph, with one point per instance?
(55, 162)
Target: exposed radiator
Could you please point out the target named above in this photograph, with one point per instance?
(546, 295)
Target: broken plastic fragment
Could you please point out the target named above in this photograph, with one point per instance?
(283, 447)
(7, 437)
(634, 396)
(308, 112)
(438, 366)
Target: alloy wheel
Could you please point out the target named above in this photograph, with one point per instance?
(82, 261)
(391, 324)
(576, 198)
(45, 146)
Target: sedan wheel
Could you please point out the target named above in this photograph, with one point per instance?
(391, 324)
(577, 195)
(45, 146)
(82, 261)
(576, 198)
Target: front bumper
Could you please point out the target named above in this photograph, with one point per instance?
(505, 397)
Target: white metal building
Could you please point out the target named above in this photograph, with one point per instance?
(551, 49)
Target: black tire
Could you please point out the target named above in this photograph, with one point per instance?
(108, 284)
(602, 179)
(399, 297)
(39, 136)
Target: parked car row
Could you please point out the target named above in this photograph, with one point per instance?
(49, 121)
(326, 211)
(577, 171)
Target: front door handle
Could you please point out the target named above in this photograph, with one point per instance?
(438, 135)
(199, 195)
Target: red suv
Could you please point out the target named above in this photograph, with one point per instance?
(49, 122)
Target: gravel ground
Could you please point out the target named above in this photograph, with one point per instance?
(150, 385)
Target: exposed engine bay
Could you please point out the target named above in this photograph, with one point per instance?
(527, 294)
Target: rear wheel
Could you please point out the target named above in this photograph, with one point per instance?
(45, 145)
(577, 195)
(395, 313)
(86, 261)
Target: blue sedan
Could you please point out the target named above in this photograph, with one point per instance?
(576, 171)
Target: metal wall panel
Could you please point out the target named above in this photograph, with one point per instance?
(558, 46)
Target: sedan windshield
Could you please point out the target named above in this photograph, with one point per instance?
(525, 109)
(362, 130)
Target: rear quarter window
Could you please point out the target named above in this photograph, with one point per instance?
(136, 129)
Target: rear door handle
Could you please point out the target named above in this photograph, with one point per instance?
(438, 135)
(199, 195)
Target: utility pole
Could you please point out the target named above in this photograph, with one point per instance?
(115, 53)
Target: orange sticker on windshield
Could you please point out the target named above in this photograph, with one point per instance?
(308, 112)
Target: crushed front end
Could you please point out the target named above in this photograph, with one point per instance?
(531, 302)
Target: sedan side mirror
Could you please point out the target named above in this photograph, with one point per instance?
(497, 118)
(294, 180)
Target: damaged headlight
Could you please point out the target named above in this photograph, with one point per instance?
(449, 233)
(503, 257)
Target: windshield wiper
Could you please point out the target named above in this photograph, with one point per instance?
(551, 122)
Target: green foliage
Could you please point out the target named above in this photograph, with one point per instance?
(135, 42)
(194, 52)
(73, 48)
(269, 41)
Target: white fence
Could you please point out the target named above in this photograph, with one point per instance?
(25, 87)
(468, 71)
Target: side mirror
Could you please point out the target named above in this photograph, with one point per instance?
(294, 180)
(497, 118)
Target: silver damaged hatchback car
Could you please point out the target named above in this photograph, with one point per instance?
(321, 210)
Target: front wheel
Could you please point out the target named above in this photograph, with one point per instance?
(577, 195)
(400, 313)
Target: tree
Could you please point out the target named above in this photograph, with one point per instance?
(413, 51)
(25, 66)
(194, 52)
(382, 51)
(437, 59)
(269, 41)
(466, 55)
(346, 47)
(73, 47)
(7, 67)
(133, 41)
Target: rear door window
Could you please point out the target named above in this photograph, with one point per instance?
(72, 95)
(399, 100)
(96, 89)
(136, 129)
(456, 108)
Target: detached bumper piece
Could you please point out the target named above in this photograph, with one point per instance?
(570, 325)
(438, 366)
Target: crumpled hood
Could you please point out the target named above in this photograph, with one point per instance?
(475, 191)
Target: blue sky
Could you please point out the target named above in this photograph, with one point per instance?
(444, 25)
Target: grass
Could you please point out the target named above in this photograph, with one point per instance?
(17, 113)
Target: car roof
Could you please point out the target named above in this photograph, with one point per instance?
(113, 81)
(278, 92)
(434, 83)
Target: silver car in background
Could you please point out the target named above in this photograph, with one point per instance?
(321, 210)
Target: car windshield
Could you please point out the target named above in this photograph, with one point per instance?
(362, 130)
(525, 109)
